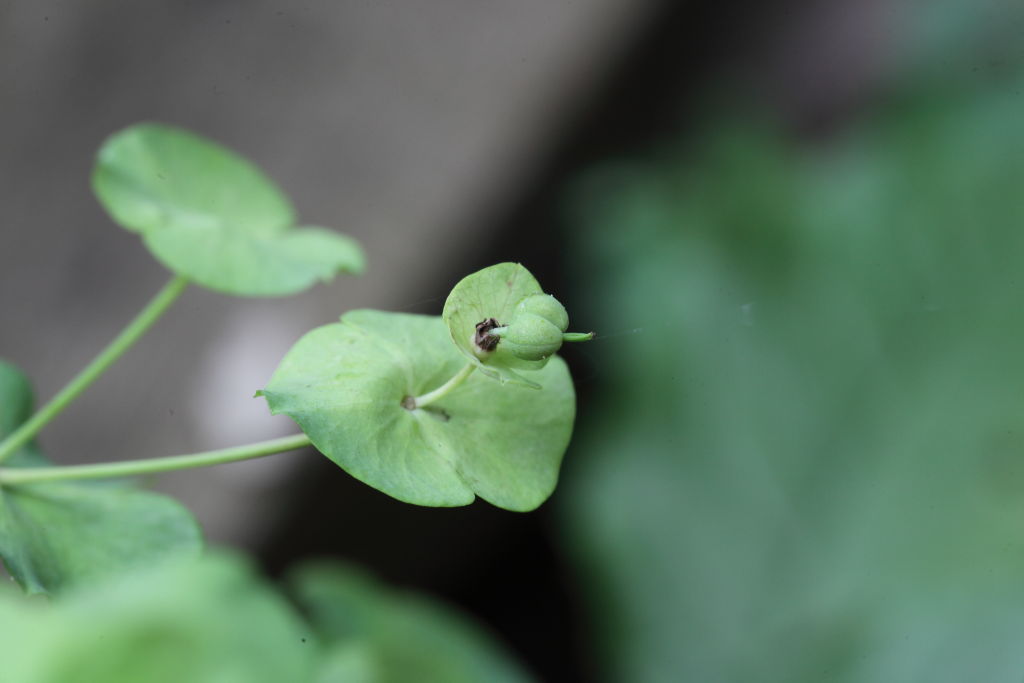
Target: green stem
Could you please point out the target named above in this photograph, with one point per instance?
(566, 336)
(124, 341)
(443, 390)
(129, 468)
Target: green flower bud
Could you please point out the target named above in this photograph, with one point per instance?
(529, 337)
(536, 330)
(547, 307)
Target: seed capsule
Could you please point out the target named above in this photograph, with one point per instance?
(537, 329)
(547, 307)
(529, 337)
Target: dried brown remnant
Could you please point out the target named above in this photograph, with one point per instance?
(484, 340)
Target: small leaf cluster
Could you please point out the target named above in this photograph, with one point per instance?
(432, 410)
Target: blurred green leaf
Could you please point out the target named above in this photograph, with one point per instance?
(808, 464)
(345, 383)
(54, 536)
(375, 635)
(211, 216)
(208, 620)
(15, 407)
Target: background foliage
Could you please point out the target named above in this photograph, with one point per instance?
(807, 461)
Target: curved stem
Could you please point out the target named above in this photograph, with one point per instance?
(124, 341)
(443, 390)
(128, 468)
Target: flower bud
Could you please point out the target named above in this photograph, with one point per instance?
(545, 306)
(537, 329)
(529, 336)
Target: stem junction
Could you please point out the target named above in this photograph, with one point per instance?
(412, 403)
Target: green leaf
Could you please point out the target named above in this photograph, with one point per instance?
(56, 535)
(382, 636)
(490, 293)
(344, 385)
(15, 408)
(213, 217)
(16, 405)
(200, 620)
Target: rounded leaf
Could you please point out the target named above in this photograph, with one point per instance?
(491, 294)
(347, 386)
(211, 216)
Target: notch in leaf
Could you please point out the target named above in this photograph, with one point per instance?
(213, 217)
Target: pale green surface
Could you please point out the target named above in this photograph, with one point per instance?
(344, 384)
(547, 307)
(376, 635)
(530, 337)
(209, 621)
(53, 536)
(492, 292)
(210, 215)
